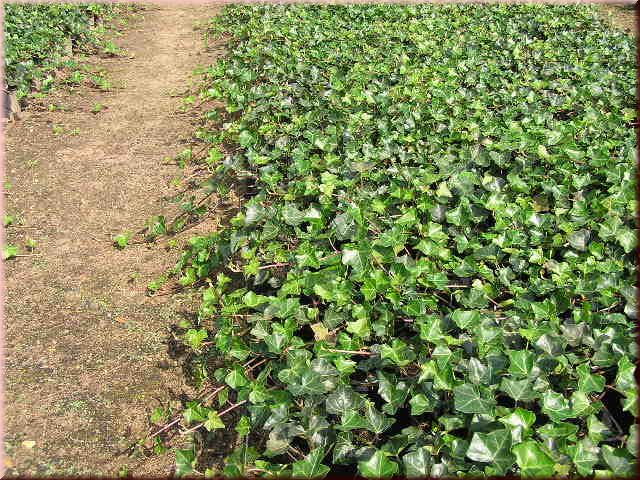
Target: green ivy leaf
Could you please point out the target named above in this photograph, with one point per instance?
(466, 319)
(399, 353)
(473, 399)
(356, 259)
(194, 338)
(236, 379)
(520, 390)
(9, 251)
(213, 421)
(195, 412)
(342, 400)
(519, 422)
(585, 455)
(378, 465)
(185, 462)
(243, 427)
(532, 460)
(493, 447)
(556, 406)
(377, 422)
(589, 382)
(417, 464)
(311, 466)
(420, 404)
(352, 420)
(520, 362)
(620, 461)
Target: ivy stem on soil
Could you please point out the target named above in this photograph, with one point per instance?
(214, 393)
(273, 265)
(209, 397)
(232, 407)
(353, 352)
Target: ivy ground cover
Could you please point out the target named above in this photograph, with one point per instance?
(433, 272)
(36, 35)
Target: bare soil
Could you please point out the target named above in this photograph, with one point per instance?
(622, 16)
(86, 348)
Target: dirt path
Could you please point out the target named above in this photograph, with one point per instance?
(85, 348)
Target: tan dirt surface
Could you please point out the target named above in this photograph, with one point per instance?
(86, 349)
(622, 17)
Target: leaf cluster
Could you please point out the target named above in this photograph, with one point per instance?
(36, 35)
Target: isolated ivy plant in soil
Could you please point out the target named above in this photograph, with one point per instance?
(433, 272)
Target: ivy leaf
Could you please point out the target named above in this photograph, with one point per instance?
(556, 406)
(632, 441)
(213, 421)
(355, 259)
(252, 300)
(344, 226)
(246, 139)
(473, 399)
(236, 379)
(533, 462)
(420, 404)
(122, 240)
(195, 412)
(309, 383)
(369, 290)
(9, 251)
(342, 400)
(580, 239)
(377, 422)
(352, 420)
(519, 422)
(597, 430)
(194, 338)
(628, 239)
(320, 332)
(292, 216)
(311, 466)
(588, 382)
(466, 319)
(558, 430)
(625, 380)
(520, 390)
(243, 427)
(582, 405)
(377, 465)
(493, 447)
(585, 456)
(520, 362)
(399, 353)
(620, 461)
(185, 462)
(417, 464)
(361, 327)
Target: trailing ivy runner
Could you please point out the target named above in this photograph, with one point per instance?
(433, 271)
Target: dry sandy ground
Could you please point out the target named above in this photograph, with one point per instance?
(86, 352)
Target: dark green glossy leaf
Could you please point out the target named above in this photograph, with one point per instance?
(493, 447)
(311, 466)
(473, 399)
(378, 465)
(532, 460)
